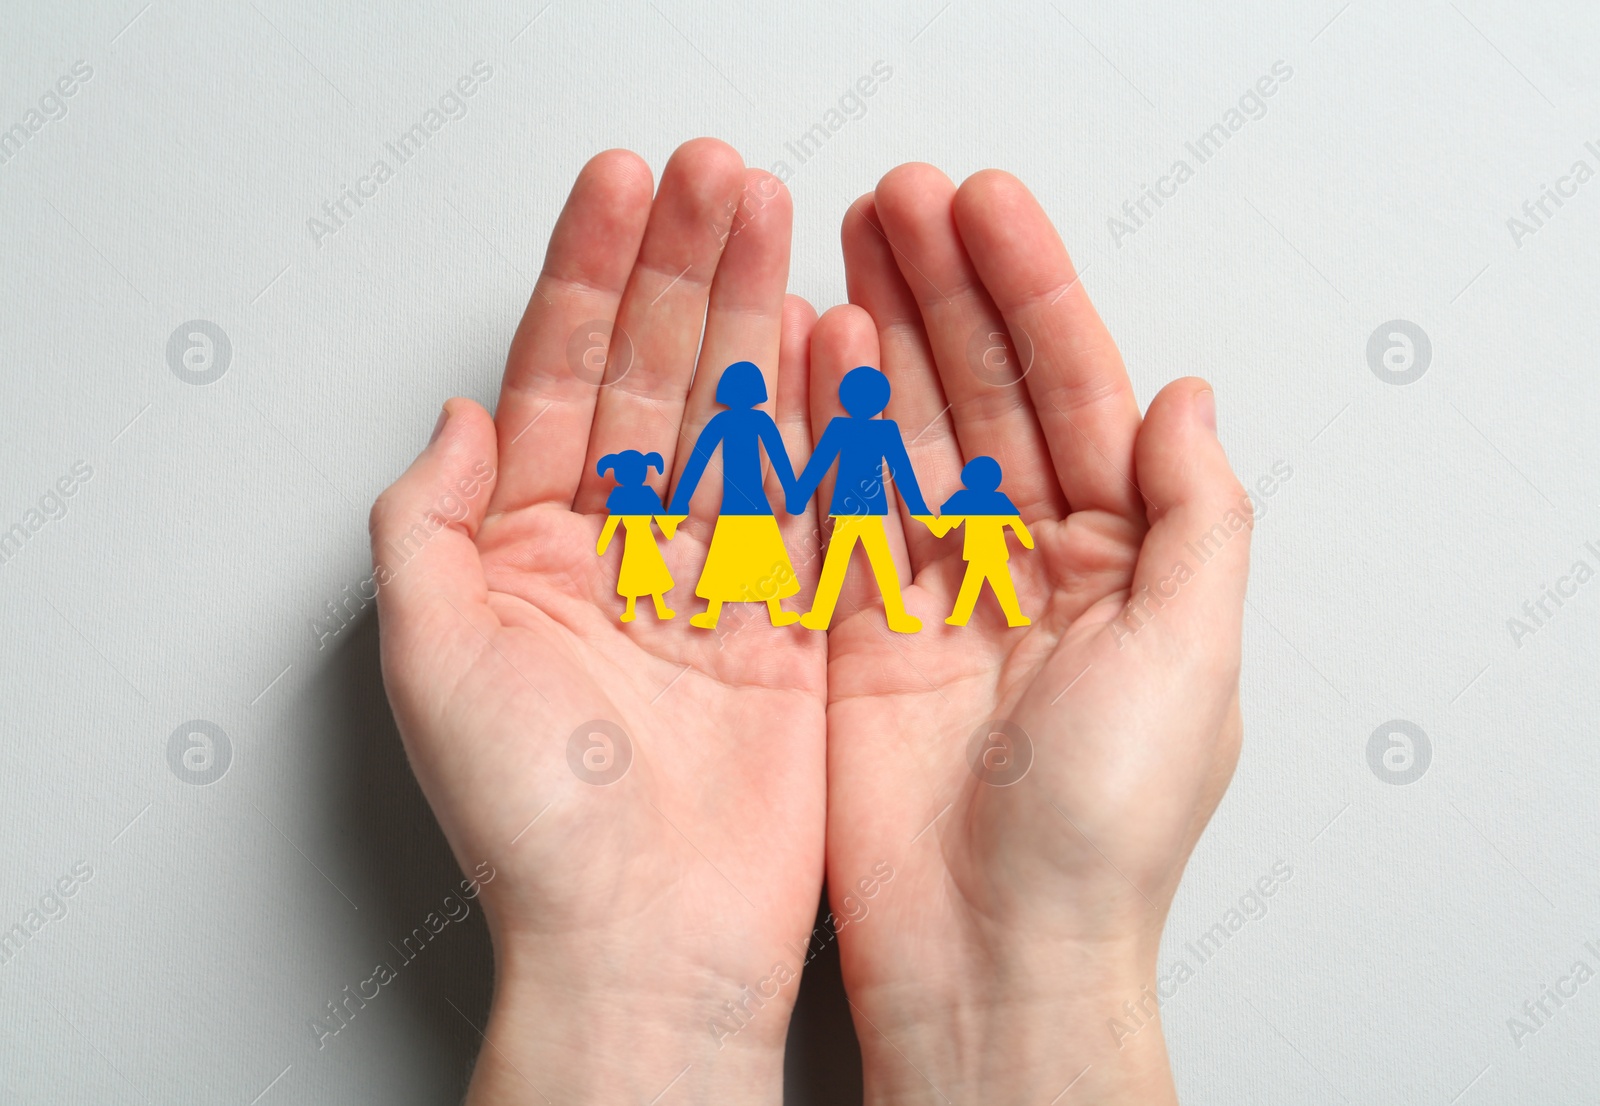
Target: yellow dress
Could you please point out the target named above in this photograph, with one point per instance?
(747, 562)
(644, 570)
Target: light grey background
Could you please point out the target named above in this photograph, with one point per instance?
(185, 577)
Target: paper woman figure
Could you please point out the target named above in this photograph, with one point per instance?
(863, 446)
(747, 562)
(986, 512)
(633, 503)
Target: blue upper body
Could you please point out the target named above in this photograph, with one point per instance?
(640, 500)
(969, 501)
(741, 432)
(863, 447)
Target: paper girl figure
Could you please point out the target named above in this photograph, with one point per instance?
(632, 503)
(747, 562)
(986, 511)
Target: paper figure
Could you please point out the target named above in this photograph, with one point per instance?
(747, 561)
(986, 512)
(862, 446)
(633, 504)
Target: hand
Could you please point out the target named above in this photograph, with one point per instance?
(1021, 918)
(627, 916)
(669, 525)
(937, 526)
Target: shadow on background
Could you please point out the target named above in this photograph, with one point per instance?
(822, 1062)
(384, 824)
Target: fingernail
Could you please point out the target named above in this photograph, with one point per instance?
(438, 427)
(1206, 402)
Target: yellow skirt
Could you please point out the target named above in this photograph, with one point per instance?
(747, 562)
(644, 570)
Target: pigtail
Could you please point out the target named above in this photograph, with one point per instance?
(654, 461)
(607, 463)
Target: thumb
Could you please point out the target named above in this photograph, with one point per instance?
(1189, 584)
(423, 527)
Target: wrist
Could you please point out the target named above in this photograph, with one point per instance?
(1032, 1027)
(584, 1026)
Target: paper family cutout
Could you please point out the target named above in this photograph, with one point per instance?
(747, 561)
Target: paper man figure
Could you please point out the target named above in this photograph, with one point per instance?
(632, 503)
(863, 446)
(747, 561)
(986, 512)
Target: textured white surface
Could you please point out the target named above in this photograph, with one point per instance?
(183, 580)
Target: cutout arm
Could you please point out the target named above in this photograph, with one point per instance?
(905, 480)
(805, 485)
(778, 453)
(1016, 523)
(700, 456)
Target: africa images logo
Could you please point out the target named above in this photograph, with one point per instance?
(50, 507)
(1250, 107)
(50, 108)
(450, 106)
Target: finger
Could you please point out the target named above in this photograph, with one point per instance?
(917, 400)
(558, 355)
(1078, 384)
(800, 533)
(425, 563)
(744, 320)
(844, 338)
(1188, 589)
(992, 415)
(663, 311)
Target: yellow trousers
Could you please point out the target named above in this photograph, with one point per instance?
(869, 531)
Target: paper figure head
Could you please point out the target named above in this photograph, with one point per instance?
(630, 466)
(981, 474)
(864, 391)
(741, 385)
